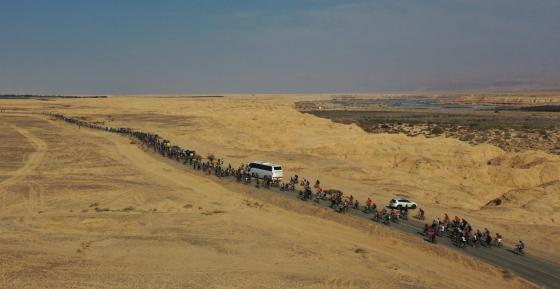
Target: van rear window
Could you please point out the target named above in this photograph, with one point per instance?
(277, 168)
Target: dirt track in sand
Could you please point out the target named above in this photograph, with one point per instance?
(69, 241)
(443, 175)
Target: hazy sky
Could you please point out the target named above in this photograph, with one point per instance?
(206, 46)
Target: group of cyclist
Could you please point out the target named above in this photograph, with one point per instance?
(462, 234)
(459, 230)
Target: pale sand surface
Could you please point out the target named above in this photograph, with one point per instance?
(442, 175)
(203, 234)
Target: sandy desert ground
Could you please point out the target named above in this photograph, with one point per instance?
(87, 209)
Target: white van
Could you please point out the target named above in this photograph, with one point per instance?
(269, 170)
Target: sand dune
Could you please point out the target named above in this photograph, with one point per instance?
(147, 223)
(443, 175)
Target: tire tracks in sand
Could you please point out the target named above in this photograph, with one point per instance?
(34, 160)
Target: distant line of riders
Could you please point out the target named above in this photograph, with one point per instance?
(458, 230)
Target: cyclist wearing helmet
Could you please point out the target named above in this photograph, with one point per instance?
(521, 247)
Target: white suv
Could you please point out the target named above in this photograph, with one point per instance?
(398, 203)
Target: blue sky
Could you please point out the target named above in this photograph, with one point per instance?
(126, 47)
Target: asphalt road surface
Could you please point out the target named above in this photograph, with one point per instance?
(534, 269)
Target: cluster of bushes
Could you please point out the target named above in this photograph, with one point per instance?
(437, 130)
(547, 108)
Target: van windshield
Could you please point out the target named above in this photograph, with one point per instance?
(260, 167)
(277, 168)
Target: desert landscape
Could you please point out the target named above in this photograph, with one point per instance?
(512, 123)
(279, 144)
(83, 208)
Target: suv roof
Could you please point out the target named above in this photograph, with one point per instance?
(400, 199)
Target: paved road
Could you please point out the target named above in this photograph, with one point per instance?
(534, 269)
(531, 268)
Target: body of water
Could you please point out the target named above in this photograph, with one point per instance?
(427, 103)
